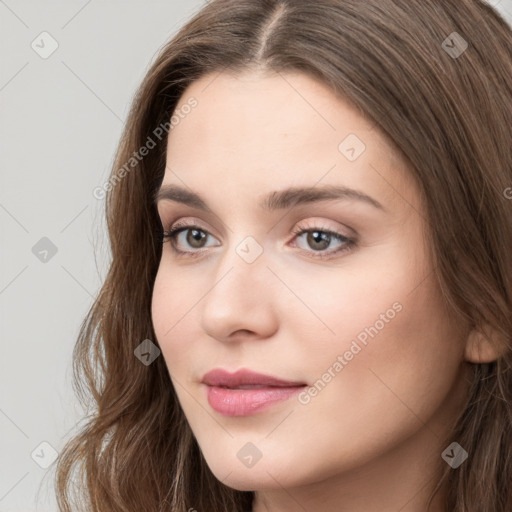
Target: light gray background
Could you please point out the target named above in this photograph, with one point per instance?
(60, 121)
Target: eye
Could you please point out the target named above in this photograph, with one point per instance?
(318, 239)
(195, 237)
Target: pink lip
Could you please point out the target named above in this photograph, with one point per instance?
(245, 392)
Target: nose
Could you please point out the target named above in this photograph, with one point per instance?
(240, 301)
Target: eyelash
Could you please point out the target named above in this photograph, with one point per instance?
(178, 228)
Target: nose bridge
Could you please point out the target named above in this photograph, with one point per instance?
(240, 268)
(239, 296)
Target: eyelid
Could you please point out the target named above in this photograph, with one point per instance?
(324, 225)
(187, 224)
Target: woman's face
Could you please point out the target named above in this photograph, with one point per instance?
(351, 308)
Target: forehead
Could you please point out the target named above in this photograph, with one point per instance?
(269, 130)
(263, 104)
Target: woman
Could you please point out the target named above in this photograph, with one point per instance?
(309, 302)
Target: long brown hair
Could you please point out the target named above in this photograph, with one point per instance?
(446, 107)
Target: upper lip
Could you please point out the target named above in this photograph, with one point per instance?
(245, 377)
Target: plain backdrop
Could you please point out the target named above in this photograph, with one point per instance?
(68, 71)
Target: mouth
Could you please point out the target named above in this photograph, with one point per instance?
(251, 386)
(246, 392)
(245, 379)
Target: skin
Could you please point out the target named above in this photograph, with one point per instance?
(372, 438)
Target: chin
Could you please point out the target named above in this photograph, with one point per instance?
(247, 481)
(263, 475)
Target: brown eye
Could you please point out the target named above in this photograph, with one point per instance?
(319, 239)
(195, 237)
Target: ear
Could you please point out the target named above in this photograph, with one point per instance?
(484, 345)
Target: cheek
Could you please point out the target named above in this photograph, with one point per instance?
(361, 303)
(385, 390)
(170, 306)
(161, 305)
(398, 364)
(395, 344)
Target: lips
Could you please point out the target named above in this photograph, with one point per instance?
(246, 379)
(246, 392)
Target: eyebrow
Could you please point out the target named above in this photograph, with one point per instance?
(276, 200)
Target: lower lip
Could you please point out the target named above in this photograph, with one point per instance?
(244, 402)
